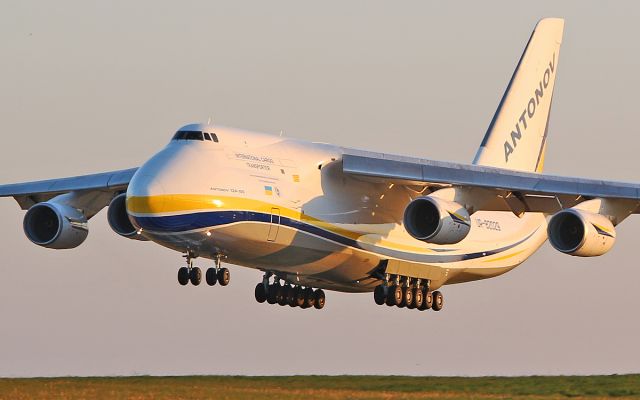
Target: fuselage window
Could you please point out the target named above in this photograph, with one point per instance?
(214, 137)
(207, 136)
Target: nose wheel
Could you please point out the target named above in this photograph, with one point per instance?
(193, 275)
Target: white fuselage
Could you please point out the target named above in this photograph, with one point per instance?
(285, 206)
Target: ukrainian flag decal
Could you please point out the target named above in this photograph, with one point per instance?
(268, 190)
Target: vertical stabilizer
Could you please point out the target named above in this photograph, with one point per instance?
(516, 138)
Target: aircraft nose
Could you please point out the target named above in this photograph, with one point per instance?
(157, 180)
(146, 194)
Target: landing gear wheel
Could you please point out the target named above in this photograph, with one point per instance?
(291, 296)
(319, 299)
(378, 295)
(417, 298)
(210, 276)
(282, 295)
(272, 293)
(407, 297)
(183, 276)
(260, 292)
(195, 276)
(224, 276)
(309, 298)
(298, 296)
(394, 296)
(427, 301)
(438, 301)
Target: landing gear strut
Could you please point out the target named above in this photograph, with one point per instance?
(412, 293)
(194, 274)
(286, 294)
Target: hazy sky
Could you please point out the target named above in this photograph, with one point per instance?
(93, 86)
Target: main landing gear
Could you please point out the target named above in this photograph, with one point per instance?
(193, 274)
(285, 294)
(412, 293)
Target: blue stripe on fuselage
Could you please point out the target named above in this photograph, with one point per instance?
(208, 219)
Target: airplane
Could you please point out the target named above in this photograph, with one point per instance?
(317, 217)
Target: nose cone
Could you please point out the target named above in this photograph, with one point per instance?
(154, 182)
(146, 194)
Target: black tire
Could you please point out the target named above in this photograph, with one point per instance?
(282, 295)
(427, 300)
(394, 296)
(319, 299)
(278, 290)
(224, 276)
(260, 292)
(195, 276)
(291, 296)
(407, 297)
(378, 295)
(298, 295)
(211, 276)
(272, 293)
(309, 298)
(438, 301)
(183, 276)
(417, 298)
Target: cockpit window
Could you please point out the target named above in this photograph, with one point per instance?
(195, 135)
(188, 135)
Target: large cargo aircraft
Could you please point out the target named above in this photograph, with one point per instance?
(315, 216)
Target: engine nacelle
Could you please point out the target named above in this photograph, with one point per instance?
(581, 233)
(436, 221)
(119, 219)
(55, 226)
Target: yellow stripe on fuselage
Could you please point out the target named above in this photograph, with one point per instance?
(504, 257)
(160, 205)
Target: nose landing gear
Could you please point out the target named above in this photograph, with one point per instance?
(285, 294)
(193, 274)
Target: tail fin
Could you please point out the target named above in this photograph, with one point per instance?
(516, 138)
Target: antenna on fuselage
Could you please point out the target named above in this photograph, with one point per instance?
(281, 132)
(209, 121)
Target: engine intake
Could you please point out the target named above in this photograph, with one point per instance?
(581, 233)
(436, 221)
(55, 226)
(119, 219)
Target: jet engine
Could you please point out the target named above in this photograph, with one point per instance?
(56, 226)
(119, 219)
(581, 233)
(437, 221)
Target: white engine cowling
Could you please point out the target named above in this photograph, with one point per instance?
(119, 219)
(581, 233)
(437, 221)
(55, 226)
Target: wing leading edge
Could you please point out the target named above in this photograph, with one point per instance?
(536, 192)
(29, 193)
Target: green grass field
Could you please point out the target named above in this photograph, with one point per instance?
(322, 387)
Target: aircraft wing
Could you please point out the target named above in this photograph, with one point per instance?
(29, 193)
(515, 191)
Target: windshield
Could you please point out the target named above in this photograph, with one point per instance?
(188, 135)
